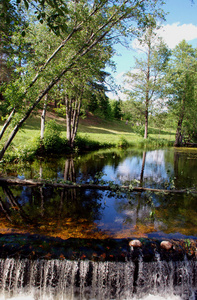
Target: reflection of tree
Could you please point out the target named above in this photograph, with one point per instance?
(95, 163)
(4, 210)
(12, 205)
(140, 204)
(185, 164)
(142, 169)
(41, 193)
(176, 167)
(138, 196)
(69, 175)
(177, 213)
(69, 171)
(62, 211)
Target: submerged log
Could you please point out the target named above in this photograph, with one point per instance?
(73, 185)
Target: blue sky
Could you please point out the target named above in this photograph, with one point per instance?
(181, 23)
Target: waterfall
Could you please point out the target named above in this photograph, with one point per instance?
(84, 279)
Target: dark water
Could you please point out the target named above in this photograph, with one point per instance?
(93, 213)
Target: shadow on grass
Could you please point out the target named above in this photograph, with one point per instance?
(34, 123)
(159, 131)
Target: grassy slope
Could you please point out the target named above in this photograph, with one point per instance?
(93, 127)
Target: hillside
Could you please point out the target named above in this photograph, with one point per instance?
(92, 127)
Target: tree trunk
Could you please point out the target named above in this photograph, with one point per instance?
(72, 117)
(7, 122)
(178, 138)
(147, 93)
(30, 182)
(68, 118)
(75, 122)
(146, 122)
(86, 47)
(43, 116)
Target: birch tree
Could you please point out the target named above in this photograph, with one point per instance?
(145, 79)
(93, 21)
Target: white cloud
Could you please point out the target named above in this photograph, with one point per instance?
(173, 34)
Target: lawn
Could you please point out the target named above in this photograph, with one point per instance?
(95, 128)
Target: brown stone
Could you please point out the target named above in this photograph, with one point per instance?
(135, 243)
(166, 245)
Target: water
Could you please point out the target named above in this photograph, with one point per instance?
(100, 214)
(66, 279)
(94, 214)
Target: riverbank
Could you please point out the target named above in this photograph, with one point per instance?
(93, 133)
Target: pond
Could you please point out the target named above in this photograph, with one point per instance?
(92, 213)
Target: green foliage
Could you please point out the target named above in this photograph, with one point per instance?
(52, 137)
(155, 143)
(145, 85)
(123, 143)
(116, 109)
(78, 55)
(181, 82)
(139, 129)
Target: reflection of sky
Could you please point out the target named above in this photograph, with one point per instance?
(131, 167)
(117, 215)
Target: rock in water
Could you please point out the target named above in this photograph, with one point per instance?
(135, 243)
(166, 245)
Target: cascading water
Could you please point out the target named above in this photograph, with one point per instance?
(84, 279)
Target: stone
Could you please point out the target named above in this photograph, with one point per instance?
(166, 245)
(135, 243)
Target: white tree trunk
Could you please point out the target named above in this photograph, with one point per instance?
(43, 117)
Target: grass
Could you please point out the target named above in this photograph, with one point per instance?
(96, 129)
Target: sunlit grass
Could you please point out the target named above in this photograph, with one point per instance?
(99, 130)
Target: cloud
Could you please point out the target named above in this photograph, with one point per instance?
(173, 34)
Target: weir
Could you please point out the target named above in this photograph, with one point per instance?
(84, 279)
(34, 267)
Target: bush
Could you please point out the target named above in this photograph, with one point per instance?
(139, 129)
(155, 143)
(122, 142)
(52, 141)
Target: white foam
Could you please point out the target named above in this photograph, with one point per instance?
(148, 297)
(21, 297)
(157, 297)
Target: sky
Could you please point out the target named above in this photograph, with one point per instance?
(181, 23)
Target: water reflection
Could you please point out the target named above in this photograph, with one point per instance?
(99, 214)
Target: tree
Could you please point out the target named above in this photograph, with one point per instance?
(116, 109)
(52, 12)
(145, 80)
(12, 55)
(97, 101)
(88, 24)
(181, 86)
(79, 83)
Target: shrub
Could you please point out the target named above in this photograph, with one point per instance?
(139, 129)
(52, 141)
(122, 142)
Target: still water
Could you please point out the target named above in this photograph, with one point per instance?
(93, 213)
